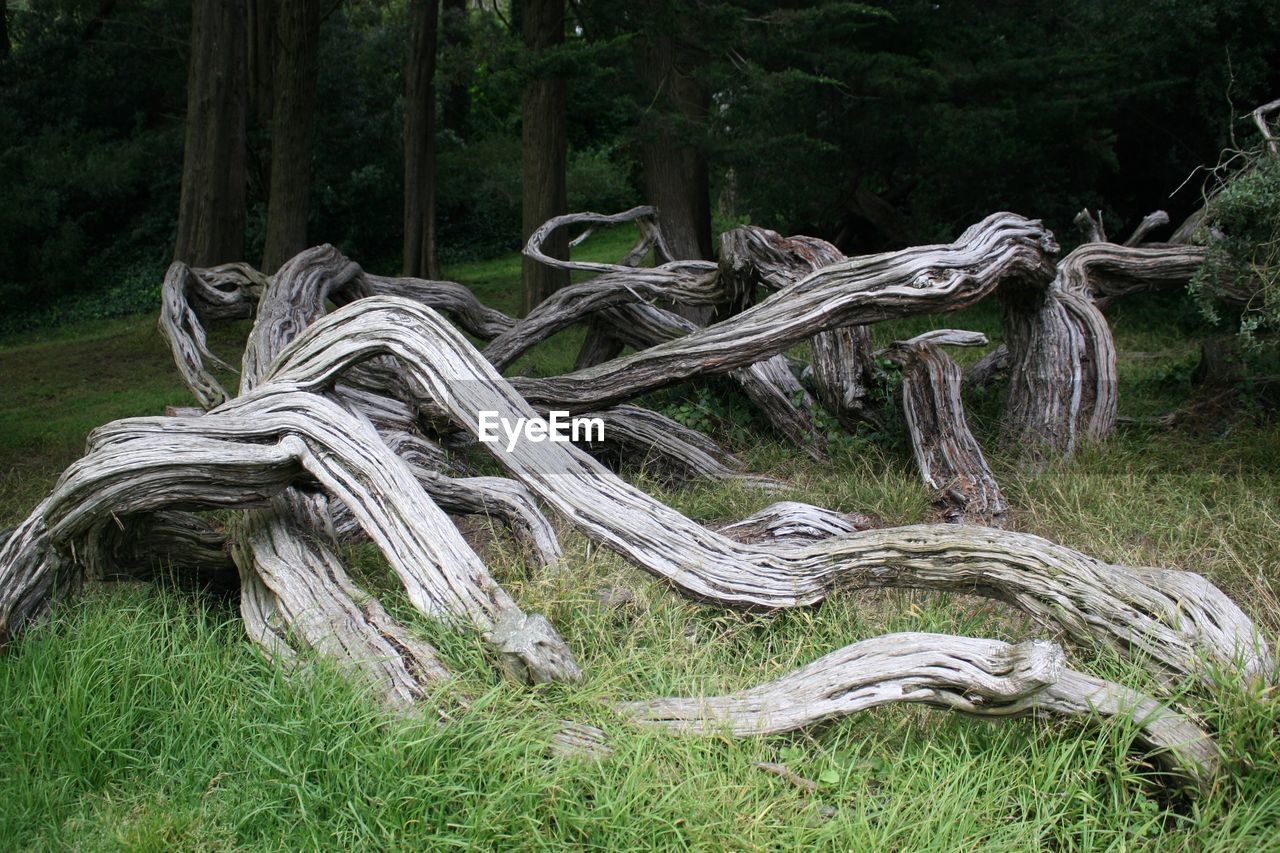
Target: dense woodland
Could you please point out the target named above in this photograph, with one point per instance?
(407, 132)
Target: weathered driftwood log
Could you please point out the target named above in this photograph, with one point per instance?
(928, 279)
(843, 369)
(1106, 271)
(1063, 384)
(985, 678)
(622, 296)
(188, 298)
(1150, 616)
(963, 489)
(769, 383)
(298, 593)
(251, 450)
(33, 575)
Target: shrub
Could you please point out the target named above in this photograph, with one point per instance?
(1241, 231)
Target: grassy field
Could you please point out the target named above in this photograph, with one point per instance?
(142, 719)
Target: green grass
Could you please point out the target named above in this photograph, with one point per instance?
(142, 718)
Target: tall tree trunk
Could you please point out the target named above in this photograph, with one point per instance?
(292, 130)
(420, 258)
(675, 169)
(262, 59)
(211, 208)
(457, 93)
(543, 148)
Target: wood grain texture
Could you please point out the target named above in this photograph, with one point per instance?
(1147, 616)
(984, 678)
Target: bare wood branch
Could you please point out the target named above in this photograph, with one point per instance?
(951, 463)
(985, 678)
(1150, 222)
(1260, 119)
(1092, 602)
(856, 292)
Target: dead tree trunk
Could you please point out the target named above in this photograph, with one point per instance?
(211, 211)
(420, 256)
(963, 488)
(329, 436)
(1063, 383)
(985, 678)
(292, 130)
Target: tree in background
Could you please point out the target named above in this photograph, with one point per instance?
(420, 255)
(544, 144)
(293, 124)
(874, 125)
(211, 210)
(669, 54)
(455, 28)
(262, 59)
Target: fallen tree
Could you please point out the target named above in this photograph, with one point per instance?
(343, 426)
(983, 678)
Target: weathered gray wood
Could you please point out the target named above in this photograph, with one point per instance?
(985, 678)
(768, 383)
(299, 594)
(843, 370)
(453, 299)
(33, 575)
(188, 298)
(798, 523)
(1105, 271)
(1063, 385)
(1150, 222)
(224, 459)
(1090, 226)
(863, 290)
(622, 296)
(1260, 119)
(963, 489)
(1139, 613)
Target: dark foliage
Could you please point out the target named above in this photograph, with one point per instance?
(870, 124)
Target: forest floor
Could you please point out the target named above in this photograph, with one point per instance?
(143, 718)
